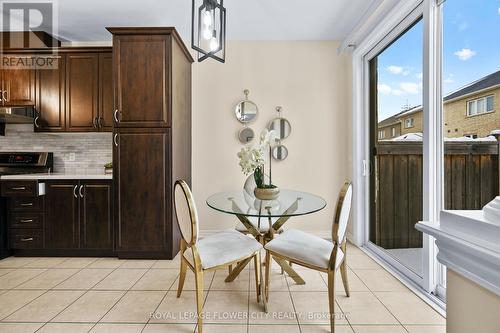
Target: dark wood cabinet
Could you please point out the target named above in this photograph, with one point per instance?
(78, 215)
(50, 98)
(141, 65)
(141, 157)
(96, 215)
(106, 103)
(61, 213)
(82, 77)
(18, 87)
(152, 138)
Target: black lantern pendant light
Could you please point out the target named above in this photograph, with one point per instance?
(208, 31)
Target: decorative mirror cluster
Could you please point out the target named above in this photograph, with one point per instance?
(246, 112)
(283, 129)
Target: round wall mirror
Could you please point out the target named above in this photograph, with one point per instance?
(280, 152)
(282, 128)
(246, 135)
(246, 111)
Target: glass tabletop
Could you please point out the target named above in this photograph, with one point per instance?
(289, 203)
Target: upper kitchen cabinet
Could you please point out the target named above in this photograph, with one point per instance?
(82, 77)
(143, 74)
(105, 120)
(18, 87)
(50, 98)
(76, 95)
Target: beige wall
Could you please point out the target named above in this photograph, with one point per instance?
(313, 85)
(470, 307)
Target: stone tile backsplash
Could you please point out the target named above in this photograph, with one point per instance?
(92, 150)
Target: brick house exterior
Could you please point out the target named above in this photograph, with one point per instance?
(461, 115)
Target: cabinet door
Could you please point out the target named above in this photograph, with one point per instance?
(141, 80)
(106, 107)
(141, 160)
(18, 87)
(61, 219)
(50, 101)
(95, 215)
(82, 91)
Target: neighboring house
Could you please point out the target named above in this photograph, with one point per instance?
(389, 128)
(470, 111)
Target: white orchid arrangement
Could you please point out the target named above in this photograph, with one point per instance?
(252, 158)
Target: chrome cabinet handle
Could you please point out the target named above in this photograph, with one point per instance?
(26, 221)
(36, 122)
(94, 122)
(1, 95)
(21, 188)
(28, 204)
(27, 239)
(80, 191)
(5, 96)
(115, 137)
(115, 115)
(74, 191)
(99, 122)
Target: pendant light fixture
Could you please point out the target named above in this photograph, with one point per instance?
(208, 30)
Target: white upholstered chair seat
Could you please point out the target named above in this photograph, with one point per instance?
(264, 224)
(223, 248)
(305, 248)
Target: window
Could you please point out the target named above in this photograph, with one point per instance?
(480, 106)
(381, 134)
(409, 123)
(393, 132)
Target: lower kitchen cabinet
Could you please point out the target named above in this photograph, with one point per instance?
(61, 213)
(78, 215)
(96, 215)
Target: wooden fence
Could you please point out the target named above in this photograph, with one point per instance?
(471, 179)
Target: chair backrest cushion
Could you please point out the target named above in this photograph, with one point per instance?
(342, 212)
(185, 211)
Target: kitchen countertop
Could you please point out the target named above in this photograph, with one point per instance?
(48, 176)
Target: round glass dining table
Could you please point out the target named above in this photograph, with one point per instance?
(244, 205)
(289, 203)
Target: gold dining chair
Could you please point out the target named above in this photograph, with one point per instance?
(212, 252)
(315, 252)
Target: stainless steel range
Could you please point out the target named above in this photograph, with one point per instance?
(14, 163)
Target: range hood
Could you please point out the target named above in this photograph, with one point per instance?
(15, 115)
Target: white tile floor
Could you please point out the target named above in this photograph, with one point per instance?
(110, 295)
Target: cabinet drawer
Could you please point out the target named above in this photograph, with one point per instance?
(19, 188)
(26, 239)
(26, 204)
(26, 220)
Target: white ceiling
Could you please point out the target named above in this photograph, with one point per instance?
(85, 20)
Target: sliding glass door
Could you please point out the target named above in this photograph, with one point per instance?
(471, 104)
(396, 146)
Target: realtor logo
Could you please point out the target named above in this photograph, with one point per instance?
(28, 25)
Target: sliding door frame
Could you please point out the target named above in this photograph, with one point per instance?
(389, 29)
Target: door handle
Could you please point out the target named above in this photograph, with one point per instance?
(115, 115)
(21, 188)
(74, 191)
(5, 96)
(115, 137)
(80, 191)
(27, 239)
(26, 221)
(28, 204)
(94, 122)
(1, 95)
(36, 122)
(99, 122)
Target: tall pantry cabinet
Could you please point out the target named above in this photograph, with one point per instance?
(151, 138)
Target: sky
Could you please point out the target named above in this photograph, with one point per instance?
(471, 50)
